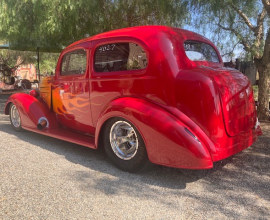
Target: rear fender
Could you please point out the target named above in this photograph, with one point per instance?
(168, 140)
(31, 110)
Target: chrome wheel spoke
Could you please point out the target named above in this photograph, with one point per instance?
(123, 150)
(15, 117)
(123, 139)
(132, 147)
(120, 140)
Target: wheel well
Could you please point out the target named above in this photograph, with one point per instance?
(101, 133)
(131, 163)
(7, 108)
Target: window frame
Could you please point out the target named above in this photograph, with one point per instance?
(99, 43)
(202, 42)
(70, 52)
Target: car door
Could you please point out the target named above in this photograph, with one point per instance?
(118, 69)
(71, 91)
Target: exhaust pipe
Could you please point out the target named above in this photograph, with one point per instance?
(42, 123)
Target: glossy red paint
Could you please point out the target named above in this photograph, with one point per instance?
(167, 141)
(71, 96)
(189, 113)
(31, 110)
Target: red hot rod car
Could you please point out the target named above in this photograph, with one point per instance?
(143, 93)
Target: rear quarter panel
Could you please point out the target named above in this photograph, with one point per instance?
(165, 137)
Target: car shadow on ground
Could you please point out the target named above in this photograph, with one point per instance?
(92, 159)
(241, 180)
(154, 175)
(237, 180)
(97, 160)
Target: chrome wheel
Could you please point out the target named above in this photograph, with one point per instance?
(123, 140)
(124, 145)
(15, 117)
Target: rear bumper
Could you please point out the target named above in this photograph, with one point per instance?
(237, 144)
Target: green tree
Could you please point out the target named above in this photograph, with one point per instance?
(51, 25)
(246, 23)
(57, 23)
(11, 60)
(48, 62)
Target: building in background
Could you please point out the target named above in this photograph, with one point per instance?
(248, 68)
(26, 71)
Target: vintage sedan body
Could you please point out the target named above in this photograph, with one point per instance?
(144, 93)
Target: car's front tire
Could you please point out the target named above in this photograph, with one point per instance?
(15, 118)
(124, 145)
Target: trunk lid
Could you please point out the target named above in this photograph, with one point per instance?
(237, 101)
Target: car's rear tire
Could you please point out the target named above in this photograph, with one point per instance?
(15, 118)
(124, 145)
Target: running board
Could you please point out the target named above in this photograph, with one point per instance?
(66, 135)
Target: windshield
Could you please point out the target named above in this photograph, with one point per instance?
(199, 51)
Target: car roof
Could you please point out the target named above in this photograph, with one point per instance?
(143, 33)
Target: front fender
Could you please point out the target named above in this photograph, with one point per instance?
(30, 109)
(166, 138)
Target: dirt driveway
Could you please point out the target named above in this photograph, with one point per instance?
(45, 178)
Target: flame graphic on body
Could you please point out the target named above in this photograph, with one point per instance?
(68, 104)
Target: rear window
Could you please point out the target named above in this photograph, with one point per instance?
(119, 57)
(199, 51)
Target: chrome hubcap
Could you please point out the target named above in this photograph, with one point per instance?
(15, 117)
(124, 140)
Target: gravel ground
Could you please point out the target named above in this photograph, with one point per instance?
(45, 178)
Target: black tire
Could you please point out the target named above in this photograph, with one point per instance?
(26, 84)
(134, 145)
(15, 118)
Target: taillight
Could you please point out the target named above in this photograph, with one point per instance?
(33, 93)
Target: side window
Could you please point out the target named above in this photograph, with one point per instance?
(74, 63)
(119, 57)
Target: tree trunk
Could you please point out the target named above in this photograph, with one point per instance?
(263, 95)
